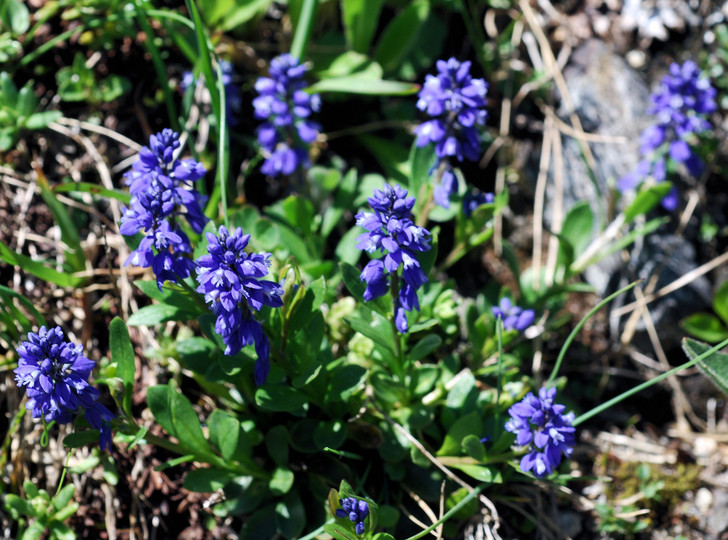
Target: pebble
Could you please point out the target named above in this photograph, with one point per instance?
(704, 500)
(704, 446)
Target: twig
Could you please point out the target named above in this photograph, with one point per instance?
(673, 286)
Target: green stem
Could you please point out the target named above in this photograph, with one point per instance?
(206, 53)
(159, 67)
(304, 29)
(397, 337)
(448, 514)
(223, 147)
(162, 14)
(577, 328)
(647, 384)
(314, 534)
(63, 473)
(499, 333)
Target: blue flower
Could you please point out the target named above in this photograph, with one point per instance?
(158, 184)
(233, 96)
(681, 105)
(55, 374)
(391, 230)
(286, 108)
(541, 426)
(472, 201)
(456, 103)
(231, 281)
(514, 317)
(354, 509)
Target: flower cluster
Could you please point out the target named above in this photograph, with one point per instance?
(233, 96)
(540, 424)
(681, 105)
(391, 229)
(56, 374)
(286, 108)
(472, 201)
(231, 281)
(355, 510)
(158, 184)
(456, 103)
(513, 317)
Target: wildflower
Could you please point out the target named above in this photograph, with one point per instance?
(681, 105)
(286, 108)
(158, 184)
(55, 374)
(391, 230)
(513, 317)
(456, 103)
(231, 281)
(540, 425)
(233, 97)
(472, 201)
(354, 509)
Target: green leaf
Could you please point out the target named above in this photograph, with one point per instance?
(479, 472)
(93, 189)
(276, 441)
(421, 159)
(281, 482)
(473, 447)
(64, 496)
(159, 313)
(463, 426)
(401, 34)
(207, 480)
(373, 326)
(291, 515)
(81, 438)
(329, 434)
(279, 398)
(159, 403)
(69, 231)
(261, 525)
(425, 346)
(720, 301)
(122, 353)
(360, 85)
(346, 251)
(715, 366)
(186, 425)
(40, 120)
(576, 230)
(38, 269)
(339, 532)
(224, 432)
(16, 12)
(360, 18)
(705, 326)
(8, 90)
(18, 506)
(647, 198)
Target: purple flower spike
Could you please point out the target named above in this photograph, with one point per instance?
(55, 373)
(158, 183)
(681, 104)
(231, 281)
(513, 317)
(391, 230)
(541, 426)
(355, 510)
(285, 108)
(456, 103)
